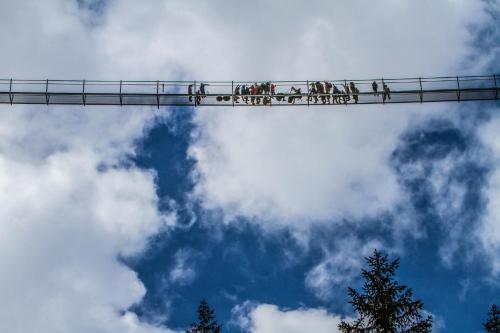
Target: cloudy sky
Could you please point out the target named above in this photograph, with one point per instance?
(122, 219)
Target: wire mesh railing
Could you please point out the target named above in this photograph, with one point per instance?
(250, 93)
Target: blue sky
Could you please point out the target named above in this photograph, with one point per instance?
(123, 219)
(240, 263)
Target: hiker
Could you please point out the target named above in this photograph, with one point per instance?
(253, 91)
(202, 89)
(266, 88)
(328, 88)
(386, 92)
(312, 93)
(259, 90)
(355, 92)
(273, 89)
(336, 94)
(347, 96)
(295, 93)
(355, 95)
(320, 89)
(244, 92)
(375, 88)
(190, 92)
(236, 94)
(201, 93)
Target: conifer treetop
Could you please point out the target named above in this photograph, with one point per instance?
(384, 305)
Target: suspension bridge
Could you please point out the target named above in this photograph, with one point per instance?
(235, 93)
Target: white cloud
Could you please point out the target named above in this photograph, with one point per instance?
(63, 222)
(441, 178)
(339, 267)
(69, 206)
(183, 271)
(292, 167)
(489, 233)
(297, 167)
(267, 318)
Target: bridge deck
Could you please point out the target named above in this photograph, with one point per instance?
(218, 93)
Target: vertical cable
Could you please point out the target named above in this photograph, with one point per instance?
(383, 91)
(496, 86)
(346, 94)
(195, 94)
(11, 98)
(83, 93)
(47, 91)
(232, 92)
(121, 96)
(421, 91)
(158, 94)
(308, 92)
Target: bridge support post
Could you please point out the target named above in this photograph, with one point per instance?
(83, 94)
(157, 94)
(270, 95)
(195, 94)
(308, 93)
(421, 91)
(496, 85)
(383, 92)
(47, 91)
(121, 96)
(458, 89)
(232, 92)
(346, 94)
(11, 98)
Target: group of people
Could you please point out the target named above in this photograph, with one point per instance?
(201, 93)
(386, 92)
(326, 92)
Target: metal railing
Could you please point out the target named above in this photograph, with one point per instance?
(249, 93)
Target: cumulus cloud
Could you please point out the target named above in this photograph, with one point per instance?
(63, 225)
(183, 271)
(441, 164)
(302, 166)
(489, 232)
(71, 204)
(339, 267)
(266, 318)
(294, 167)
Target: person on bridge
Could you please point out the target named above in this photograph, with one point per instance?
(320, 89)
(266, 88)
(386, 92)
(243, 90)
(355, 92)
(295, 93)
(203, 91)
(236, 94)
(347, 96)
(273, 88)
(375, 88)
(312, 93)
(190, 92)
(336, 94)
(328, 89)
(253, 91)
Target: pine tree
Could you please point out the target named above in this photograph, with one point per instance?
(385, 306)
(206, 320)
(492, 325)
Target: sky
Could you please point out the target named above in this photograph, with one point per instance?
(122, 219)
